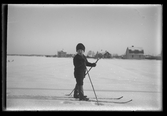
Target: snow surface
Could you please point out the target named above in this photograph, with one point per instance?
(41, 83)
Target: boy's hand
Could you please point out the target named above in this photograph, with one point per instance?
(93, 64)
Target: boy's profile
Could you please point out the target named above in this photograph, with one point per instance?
(80, 62)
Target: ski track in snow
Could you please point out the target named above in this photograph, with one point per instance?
(40, 83)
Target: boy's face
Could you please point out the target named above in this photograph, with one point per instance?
(81, 52)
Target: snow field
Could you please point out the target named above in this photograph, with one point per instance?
(38, 83)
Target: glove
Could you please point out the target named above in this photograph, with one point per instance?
(93, 64)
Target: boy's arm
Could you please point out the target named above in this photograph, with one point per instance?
(89, 64)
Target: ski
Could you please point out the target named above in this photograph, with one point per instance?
(110, 98)
(107, 100)
(66, 98)
(116, 102)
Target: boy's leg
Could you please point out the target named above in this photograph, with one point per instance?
(76, 91)
(81, 92)
(79, 80)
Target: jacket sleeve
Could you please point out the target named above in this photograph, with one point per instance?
(88, 63)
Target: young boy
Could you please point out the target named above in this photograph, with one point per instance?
(80, 62)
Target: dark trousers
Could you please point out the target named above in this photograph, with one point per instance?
(79, 78)
(79, 84)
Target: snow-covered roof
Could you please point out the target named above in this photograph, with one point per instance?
(136, 50)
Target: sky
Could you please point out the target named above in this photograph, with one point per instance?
(46, 29)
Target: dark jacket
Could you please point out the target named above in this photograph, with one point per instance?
(80, 63)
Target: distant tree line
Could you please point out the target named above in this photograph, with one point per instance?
(152, 57)
(106, 54)
(91, 54)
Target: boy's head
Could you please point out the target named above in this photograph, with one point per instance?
(80, 48)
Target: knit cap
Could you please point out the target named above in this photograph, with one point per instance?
(80, 46)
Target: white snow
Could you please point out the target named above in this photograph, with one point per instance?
(40, 83)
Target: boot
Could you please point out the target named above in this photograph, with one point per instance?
(81, 94)
(76, 91)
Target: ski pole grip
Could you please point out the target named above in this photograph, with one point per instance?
(91, 67)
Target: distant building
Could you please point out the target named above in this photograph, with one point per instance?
(61, 54)
(98, 55)
(134, 53)
(107, 55)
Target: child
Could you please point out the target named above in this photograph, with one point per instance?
(80, 62)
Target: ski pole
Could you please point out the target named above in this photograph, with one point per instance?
(91, 67)
(70, 93)
(85, 75)
(93, 87)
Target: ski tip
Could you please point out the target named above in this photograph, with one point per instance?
(67, 95)
(128, 101)
(124, 102)
(120, 97)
